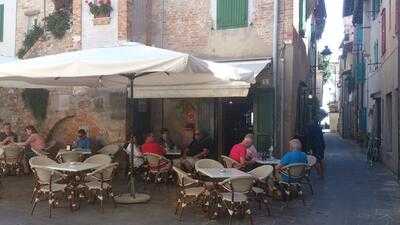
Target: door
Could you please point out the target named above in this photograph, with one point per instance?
(263, 119)
(138, 118)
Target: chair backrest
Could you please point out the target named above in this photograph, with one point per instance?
(43, 175)
(106, 171)
(152, 159)
(183, 178)
(110, 150)
(241, 184)
(41, 161)
(312, 160)
(229, 163)
(12, 152)
(261, 173)
(207, 163)
(295, 170)
(99, 159)
(70, 156)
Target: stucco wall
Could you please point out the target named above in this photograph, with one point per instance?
(7, 47)
(99, 35)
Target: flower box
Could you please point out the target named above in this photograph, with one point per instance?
(98, 21)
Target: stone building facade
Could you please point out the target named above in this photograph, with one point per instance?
(187, 26)
(101, 112)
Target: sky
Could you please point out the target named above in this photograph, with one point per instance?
(332, 37)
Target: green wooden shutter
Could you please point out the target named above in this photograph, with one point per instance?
(303, 14)
(232, 13)
(1, 22)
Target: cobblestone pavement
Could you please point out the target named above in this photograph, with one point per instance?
(351, 193)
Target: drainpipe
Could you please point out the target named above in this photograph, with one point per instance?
(275, 64)
(162, 23)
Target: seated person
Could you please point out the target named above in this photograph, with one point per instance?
(198, 149)
(252, 154)
(166, 141)
(151, 146)
(138, 157)
(34, 141)
(82, 142)
(295, 155)
(239, 152)
(7, 136)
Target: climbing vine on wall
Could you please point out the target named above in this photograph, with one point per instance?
(36, 100)
(30, 39)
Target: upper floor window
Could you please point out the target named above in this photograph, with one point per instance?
(232, 14)
(302, 16)
(383, 31)
(32, 21)
(376, 5)
(376, 55)
(1, 23)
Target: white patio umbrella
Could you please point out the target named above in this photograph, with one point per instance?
(123, 65)
(114, 66)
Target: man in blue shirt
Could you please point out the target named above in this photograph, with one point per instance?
(295, 155)
(83, 142)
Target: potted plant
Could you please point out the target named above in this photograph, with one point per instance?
(101, 11)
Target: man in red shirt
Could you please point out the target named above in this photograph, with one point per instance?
(151, 146)
(239, 151)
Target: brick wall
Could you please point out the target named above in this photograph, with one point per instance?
(189, 26)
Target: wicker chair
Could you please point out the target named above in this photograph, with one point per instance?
(207, 163)
(260, 190)
(39, 152)
(235, 200)
(110, 150)
(42, 161)
(190, 191)
(69, 156)
(47, 187)
(229, 163)
(297, 174)
(99, 183)
(157, 167)
(11, 159)
(99, 159)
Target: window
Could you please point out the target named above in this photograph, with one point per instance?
(389, 122)
(302, 15)
(232, 13)
(376, 55)
(397, 17)
(383, 31)
(1, 23)
(376, 4)
(32, 21)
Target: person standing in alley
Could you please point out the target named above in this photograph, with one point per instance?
(316, 143)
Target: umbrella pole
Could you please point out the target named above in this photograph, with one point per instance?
(132, 197)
